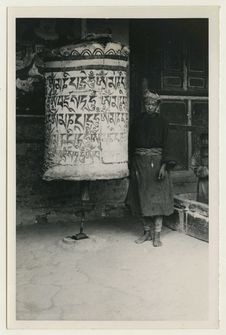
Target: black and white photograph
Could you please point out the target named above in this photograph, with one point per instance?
(112, 154)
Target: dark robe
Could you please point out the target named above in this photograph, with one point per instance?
(147, 195)
(151, 131)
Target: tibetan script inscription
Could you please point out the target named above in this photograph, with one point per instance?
(86, 116)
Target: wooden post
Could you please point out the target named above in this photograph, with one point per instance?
(83, 28)
(189, 132)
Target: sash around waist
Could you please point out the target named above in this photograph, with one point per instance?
(148, 151)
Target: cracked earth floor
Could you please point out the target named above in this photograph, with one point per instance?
(108, 276)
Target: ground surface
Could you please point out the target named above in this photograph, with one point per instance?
(108, 276)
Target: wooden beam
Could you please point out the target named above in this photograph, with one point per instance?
(185, 127)
(183, 97)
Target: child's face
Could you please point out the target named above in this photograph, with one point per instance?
(151, 106)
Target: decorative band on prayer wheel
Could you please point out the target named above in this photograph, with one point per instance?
(86, 112)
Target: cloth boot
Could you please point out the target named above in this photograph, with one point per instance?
(145, 237)
(157, 233)
(156, 240)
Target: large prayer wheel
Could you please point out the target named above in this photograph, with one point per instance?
(86, 112)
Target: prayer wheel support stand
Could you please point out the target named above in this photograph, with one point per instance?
(84, 196)
(84, 187)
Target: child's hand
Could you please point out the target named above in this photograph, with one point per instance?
(205, 171)
(162, 172)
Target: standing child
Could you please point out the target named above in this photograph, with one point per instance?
(200, 166)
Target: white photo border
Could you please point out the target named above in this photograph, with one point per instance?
(215, 126)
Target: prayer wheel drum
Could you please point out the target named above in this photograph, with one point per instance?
(86, 112)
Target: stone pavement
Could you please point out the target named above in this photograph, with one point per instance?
(108, 276)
